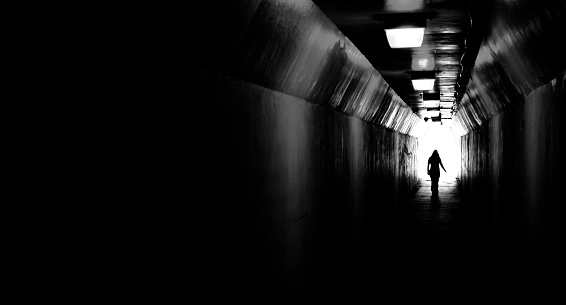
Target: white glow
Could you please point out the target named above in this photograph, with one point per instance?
(432, 104)
(403, 5)
(423, 84)
(431, 113)
(405, 38)
(422, 62)
(443, 139)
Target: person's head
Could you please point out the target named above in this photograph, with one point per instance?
(435, 153)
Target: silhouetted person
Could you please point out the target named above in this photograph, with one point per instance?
(434, 171)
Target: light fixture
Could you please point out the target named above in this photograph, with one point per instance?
(436, 118)
(403, 5)
(423, 84)
(431, 99)
(432, 112)
(423, 80)
(405, 30)
(422, 62)
(405, 37)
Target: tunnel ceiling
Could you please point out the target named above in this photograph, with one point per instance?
(449, 44)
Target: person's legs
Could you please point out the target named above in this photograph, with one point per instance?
(434, 184)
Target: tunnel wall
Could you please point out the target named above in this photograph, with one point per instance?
(298, 147)
(305, 183)
(513, 137)
(292, 47)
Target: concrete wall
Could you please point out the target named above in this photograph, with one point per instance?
(296, 147)
(513, 142)
(301, 184)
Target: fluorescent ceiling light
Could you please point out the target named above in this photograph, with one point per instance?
(422, 62)
(405, 37)
(423, 81)
(405, 29)
(432, 104)
(431, 99)
(403, 5)
(423, 84)
(432, 113)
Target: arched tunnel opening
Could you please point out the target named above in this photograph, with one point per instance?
(293, 166)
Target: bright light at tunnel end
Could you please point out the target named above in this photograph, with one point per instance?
(405, 38)
(443, 139)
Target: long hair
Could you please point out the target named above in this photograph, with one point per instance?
(435, 155)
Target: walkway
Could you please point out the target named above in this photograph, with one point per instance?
(429, 251)
(435, 239)
(421, 251)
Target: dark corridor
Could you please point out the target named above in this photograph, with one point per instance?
(281, 141)
(432, 250)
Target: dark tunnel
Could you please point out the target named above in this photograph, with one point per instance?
(284, 156)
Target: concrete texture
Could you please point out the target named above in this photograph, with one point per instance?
(513, 138)
(512, 169)
(303, 184)
(520, 54)
(293, 48)
(297, 145)
(254, 181)
(263, 153)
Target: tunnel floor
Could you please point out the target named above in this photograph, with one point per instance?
(428, 250)
(427, 254)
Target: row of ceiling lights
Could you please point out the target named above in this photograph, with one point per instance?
(407, 31)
